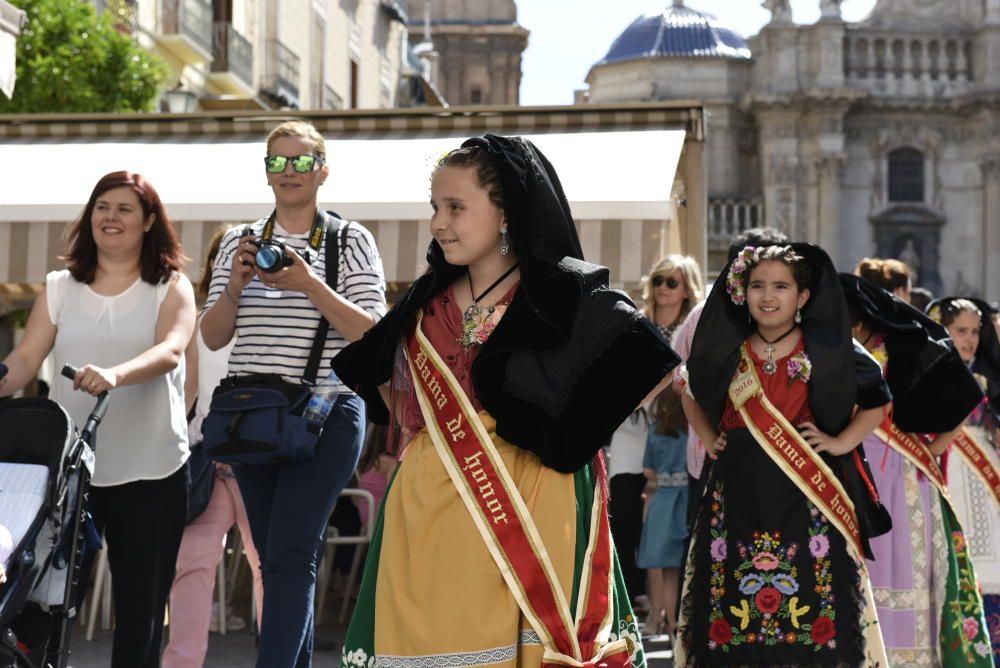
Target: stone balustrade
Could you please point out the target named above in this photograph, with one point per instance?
(908, 65)
(728, 217)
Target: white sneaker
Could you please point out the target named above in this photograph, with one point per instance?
(233, 622)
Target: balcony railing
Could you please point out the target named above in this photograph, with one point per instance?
(729, 217)
(191, 19)
(281, 74)
(232, 52)
(908, 65)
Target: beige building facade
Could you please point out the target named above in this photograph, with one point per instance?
(477, 46)
(880, 137)
(273, 54)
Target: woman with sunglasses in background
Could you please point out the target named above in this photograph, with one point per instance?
(972, 462)
(669, 292)
(274, 315)
(672, 289)
(123, 313)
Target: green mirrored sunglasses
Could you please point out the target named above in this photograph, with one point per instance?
(275, 164)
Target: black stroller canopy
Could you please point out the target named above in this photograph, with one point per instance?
(35, 431)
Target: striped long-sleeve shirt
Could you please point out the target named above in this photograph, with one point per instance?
(275, 328)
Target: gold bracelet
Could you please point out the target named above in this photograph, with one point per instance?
(235, 301)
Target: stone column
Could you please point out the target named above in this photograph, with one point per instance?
(829, 40)
(828, 172)
(991, 227)
(694, 218)
(779, 163)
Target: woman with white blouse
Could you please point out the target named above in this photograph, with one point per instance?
(123, 314)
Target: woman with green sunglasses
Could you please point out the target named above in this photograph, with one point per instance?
(274, 312)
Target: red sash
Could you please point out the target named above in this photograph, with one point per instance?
(506, 526)
(793, 455)
(976, 456)
(913, 449)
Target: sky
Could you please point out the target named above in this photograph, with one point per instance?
(568, 36)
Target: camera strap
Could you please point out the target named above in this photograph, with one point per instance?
(315, 235)
(334, 227)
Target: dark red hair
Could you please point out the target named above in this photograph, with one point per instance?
(161, 253)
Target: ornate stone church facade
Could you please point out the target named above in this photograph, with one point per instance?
(880, 137)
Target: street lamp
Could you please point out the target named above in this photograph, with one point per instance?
(180, 101)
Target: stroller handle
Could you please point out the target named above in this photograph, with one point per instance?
(97, 415)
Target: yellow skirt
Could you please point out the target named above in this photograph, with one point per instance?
(432, 596)
(439, 592)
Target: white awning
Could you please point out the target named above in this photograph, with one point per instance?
(11, 21)
(606, 175)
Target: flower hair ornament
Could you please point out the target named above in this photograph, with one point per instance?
(741, 264)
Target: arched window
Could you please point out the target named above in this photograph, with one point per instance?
(906, 175)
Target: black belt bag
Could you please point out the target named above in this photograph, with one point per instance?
(257, 419)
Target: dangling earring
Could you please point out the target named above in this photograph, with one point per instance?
(504, 241)
(798, 315)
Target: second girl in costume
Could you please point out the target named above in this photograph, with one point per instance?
(781, 399)
(972, 463)
(925, 588)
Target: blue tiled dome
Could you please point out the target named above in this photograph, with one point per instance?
(676, 31)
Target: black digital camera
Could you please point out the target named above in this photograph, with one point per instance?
(271, 255)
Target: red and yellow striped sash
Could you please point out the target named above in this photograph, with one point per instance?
(793, 455)
(975, 455)
(914, 450)
(508, 530)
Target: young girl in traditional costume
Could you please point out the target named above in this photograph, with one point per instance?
(664, 528)
(504, 362)
(929, 606)
(781, 398)
(972, 463)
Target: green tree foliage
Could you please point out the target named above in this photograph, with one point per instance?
(72, 59)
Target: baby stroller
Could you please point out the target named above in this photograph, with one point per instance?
(45, 469)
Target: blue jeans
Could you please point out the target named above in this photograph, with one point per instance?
(289, 505)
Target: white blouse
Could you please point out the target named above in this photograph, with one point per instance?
(628, 445)
(144, 434)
